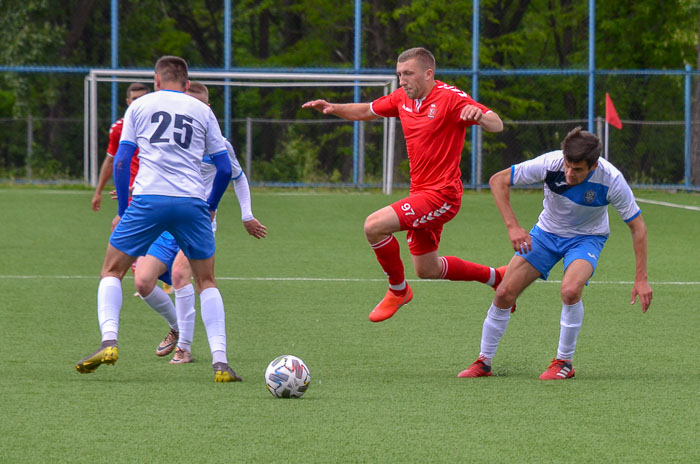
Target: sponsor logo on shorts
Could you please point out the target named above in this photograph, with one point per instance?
(432, 215)
(592, 255)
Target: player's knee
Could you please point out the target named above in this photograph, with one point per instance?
(570, 294)
(181, 277)
(144, 285)
(371, 227)
(505, 296)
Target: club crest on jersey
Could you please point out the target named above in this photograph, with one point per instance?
(431, 111)
(589, 197)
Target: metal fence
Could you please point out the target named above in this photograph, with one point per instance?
(318, 152)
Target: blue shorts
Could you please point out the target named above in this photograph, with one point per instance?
(165, 248)
(548, 249)
(148, 216)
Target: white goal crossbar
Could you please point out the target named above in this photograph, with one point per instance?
(236, 79)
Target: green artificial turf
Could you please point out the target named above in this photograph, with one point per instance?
(380, 393)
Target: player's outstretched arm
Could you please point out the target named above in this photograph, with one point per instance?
(105, 174)
(641, 287)
(500, 189)
(349, 111)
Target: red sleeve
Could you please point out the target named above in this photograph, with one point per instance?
(388, 105)
(115, 133)
(462, 99)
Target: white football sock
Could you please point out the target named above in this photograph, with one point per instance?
(109, 304)
(218, 357)
(214, 319)
(184, 306)
(495, 326)
(163, 305)
(571, 320)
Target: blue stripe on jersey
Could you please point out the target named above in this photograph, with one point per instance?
(586, 193)
(208, 158)
(635, 215)
(238, 176)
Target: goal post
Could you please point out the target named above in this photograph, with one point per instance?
(237, 79)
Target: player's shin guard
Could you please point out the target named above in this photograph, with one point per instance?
(214, 319)
(454, 268)
(184, 306)
(389, 257)
(109, 304)
(571, 320)
(494, 327)
(163, 305)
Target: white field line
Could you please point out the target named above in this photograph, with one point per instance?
(672, 205)
(329, 279)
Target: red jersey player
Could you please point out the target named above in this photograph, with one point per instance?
(434, 117)
(134, 91)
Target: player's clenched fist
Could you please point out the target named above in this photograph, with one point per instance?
(471, 113)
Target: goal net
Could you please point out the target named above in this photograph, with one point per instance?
(276, 142)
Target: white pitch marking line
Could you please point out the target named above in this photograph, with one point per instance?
(672, 205)
(334, 279)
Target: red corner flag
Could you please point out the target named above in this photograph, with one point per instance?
(610, 113)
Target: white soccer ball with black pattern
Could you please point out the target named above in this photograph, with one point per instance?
(287, 377)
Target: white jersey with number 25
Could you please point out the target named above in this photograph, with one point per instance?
(172, 130)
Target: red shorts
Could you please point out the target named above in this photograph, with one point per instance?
(423, 215)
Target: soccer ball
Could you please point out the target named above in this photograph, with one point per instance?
(287, 377)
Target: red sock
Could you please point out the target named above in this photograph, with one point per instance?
(389, 257)
(458, 269)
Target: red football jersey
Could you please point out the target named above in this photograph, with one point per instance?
(434, 134)
(115, 133)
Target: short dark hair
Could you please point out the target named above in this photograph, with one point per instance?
(199, 90)
(172, 69)
(136, 87)
(580, 145)
(421, 54)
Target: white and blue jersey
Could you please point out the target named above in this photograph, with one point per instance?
(579, 209)
(171, 130)
(209, 169)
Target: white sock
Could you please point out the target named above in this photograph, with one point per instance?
(495, 326)
(163, 305)
(184, 306)
(218, 357)
(214, 319)
(571, 320)
(109, 304)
